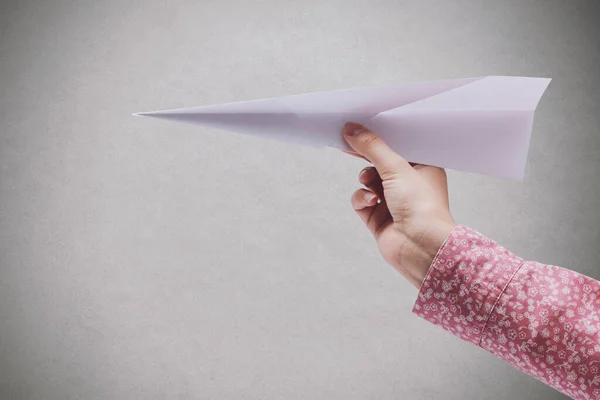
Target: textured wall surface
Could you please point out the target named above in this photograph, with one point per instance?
(143, 259)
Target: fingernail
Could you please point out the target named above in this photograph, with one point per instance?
(361, 176)
(369, 197)
(352, 128)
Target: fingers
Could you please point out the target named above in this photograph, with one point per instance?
(364, 203)
(372, 147)
(371, 179)
(368, 176)
(374, 213)
(363, 198)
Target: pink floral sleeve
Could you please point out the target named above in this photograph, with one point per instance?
(542, 319)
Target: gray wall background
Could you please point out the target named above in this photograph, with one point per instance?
(142, 259)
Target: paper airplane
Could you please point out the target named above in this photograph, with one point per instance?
(480, 125)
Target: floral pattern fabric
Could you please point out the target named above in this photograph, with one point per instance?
(542, 319)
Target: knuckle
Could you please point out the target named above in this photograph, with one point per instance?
(367, 174)
(396, 167)
(392, 171)
(369, 139)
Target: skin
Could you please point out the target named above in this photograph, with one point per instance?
(405, 206)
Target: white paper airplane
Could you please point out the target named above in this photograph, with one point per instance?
(480, 125)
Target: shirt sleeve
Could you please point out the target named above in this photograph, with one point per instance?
(542, 319)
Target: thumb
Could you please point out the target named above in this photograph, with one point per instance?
(372, 147)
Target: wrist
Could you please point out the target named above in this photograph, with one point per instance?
(429, 242)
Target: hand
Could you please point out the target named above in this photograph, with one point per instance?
(404, 206)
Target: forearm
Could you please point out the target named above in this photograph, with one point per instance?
(544, 320)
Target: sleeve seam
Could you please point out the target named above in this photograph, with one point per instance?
(497, 300)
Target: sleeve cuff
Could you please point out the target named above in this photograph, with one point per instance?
(464, 282)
